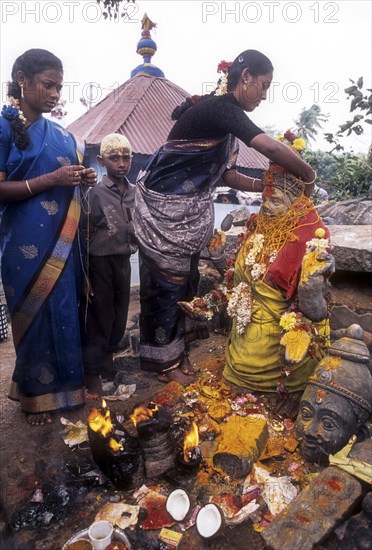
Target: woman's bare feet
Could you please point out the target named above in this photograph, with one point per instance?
(186, 366)
(176, 375)
(93, 386)
(39, 419)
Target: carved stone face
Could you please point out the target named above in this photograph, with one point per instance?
(325, 423)
(280, 195)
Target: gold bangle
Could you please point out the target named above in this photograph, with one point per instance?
(29, 188)
(254, 181)
(312, 181)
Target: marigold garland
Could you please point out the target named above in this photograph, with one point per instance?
(268, 234)
(294, 320)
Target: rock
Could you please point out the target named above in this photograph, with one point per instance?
(227, 222)
(240, 443)
(315, 512)
(240, 216)
(358, 531)
(348, 212)
(343, 316)
(352, 247)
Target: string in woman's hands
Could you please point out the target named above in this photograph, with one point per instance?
(74, 174)
(89, 177)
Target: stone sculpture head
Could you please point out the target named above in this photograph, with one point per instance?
(336, 403)
(280, 191)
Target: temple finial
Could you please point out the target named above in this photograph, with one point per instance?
(147, 48)
(147, 24)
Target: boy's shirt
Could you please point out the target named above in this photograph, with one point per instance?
(110, 222)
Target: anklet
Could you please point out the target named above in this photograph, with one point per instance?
(169, 369)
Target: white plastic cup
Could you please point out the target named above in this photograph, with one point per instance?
(100, 534)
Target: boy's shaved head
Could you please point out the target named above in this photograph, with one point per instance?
(112, 143)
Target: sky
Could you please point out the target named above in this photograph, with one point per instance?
(316, 47)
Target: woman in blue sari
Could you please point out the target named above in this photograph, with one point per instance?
(40, 242)
(174, 216)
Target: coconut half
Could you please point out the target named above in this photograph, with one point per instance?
(178, 504)
(209, 521)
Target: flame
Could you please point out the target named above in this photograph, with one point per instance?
(114, 445)
(104, 404)
(190, 442)
(142, 413)
(100, 422)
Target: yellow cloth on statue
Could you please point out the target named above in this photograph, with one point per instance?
(252, 358)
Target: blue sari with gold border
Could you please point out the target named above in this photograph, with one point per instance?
(41, 272)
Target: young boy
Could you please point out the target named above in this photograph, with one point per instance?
(110, 242)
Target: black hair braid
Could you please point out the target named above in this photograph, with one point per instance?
(30, 63)
(20, 133)
(189, 102)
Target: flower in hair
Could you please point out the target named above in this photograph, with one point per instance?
(12, 111)
(9, 112)
(223, 67)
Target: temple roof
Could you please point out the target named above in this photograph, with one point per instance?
(141, 109)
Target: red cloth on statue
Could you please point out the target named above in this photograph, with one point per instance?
(285, 270)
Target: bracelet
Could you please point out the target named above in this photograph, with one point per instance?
(29, 188)
(312, 181)
(254, 181)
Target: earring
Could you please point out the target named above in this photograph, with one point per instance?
(245, 86)
(22, 94)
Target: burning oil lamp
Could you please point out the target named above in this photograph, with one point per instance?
(144, 416)
(153, 428)
(113, 449)
(189, 456)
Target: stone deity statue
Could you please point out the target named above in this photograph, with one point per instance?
(337, 401)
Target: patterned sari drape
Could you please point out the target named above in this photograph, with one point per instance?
(41, 272)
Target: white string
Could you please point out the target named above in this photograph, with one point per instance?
(85, 205)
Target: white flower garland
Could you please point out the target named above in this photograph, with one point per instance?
(240, 306)
(222, 85)
(257, 242)
(317, 245)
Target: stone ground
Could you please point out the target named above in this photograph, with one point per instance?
(37, 458)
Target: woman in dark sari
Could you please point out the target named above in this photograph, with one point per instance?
(41, 267)
(174, 217)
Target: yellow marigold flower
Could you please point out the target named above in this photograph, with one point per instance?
(288, 321)
(279, 137)
(299, 144)
(320, 233)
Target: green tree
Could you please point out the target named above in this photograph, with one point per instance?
(361, 105)
(113, 9)
(309, 122)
